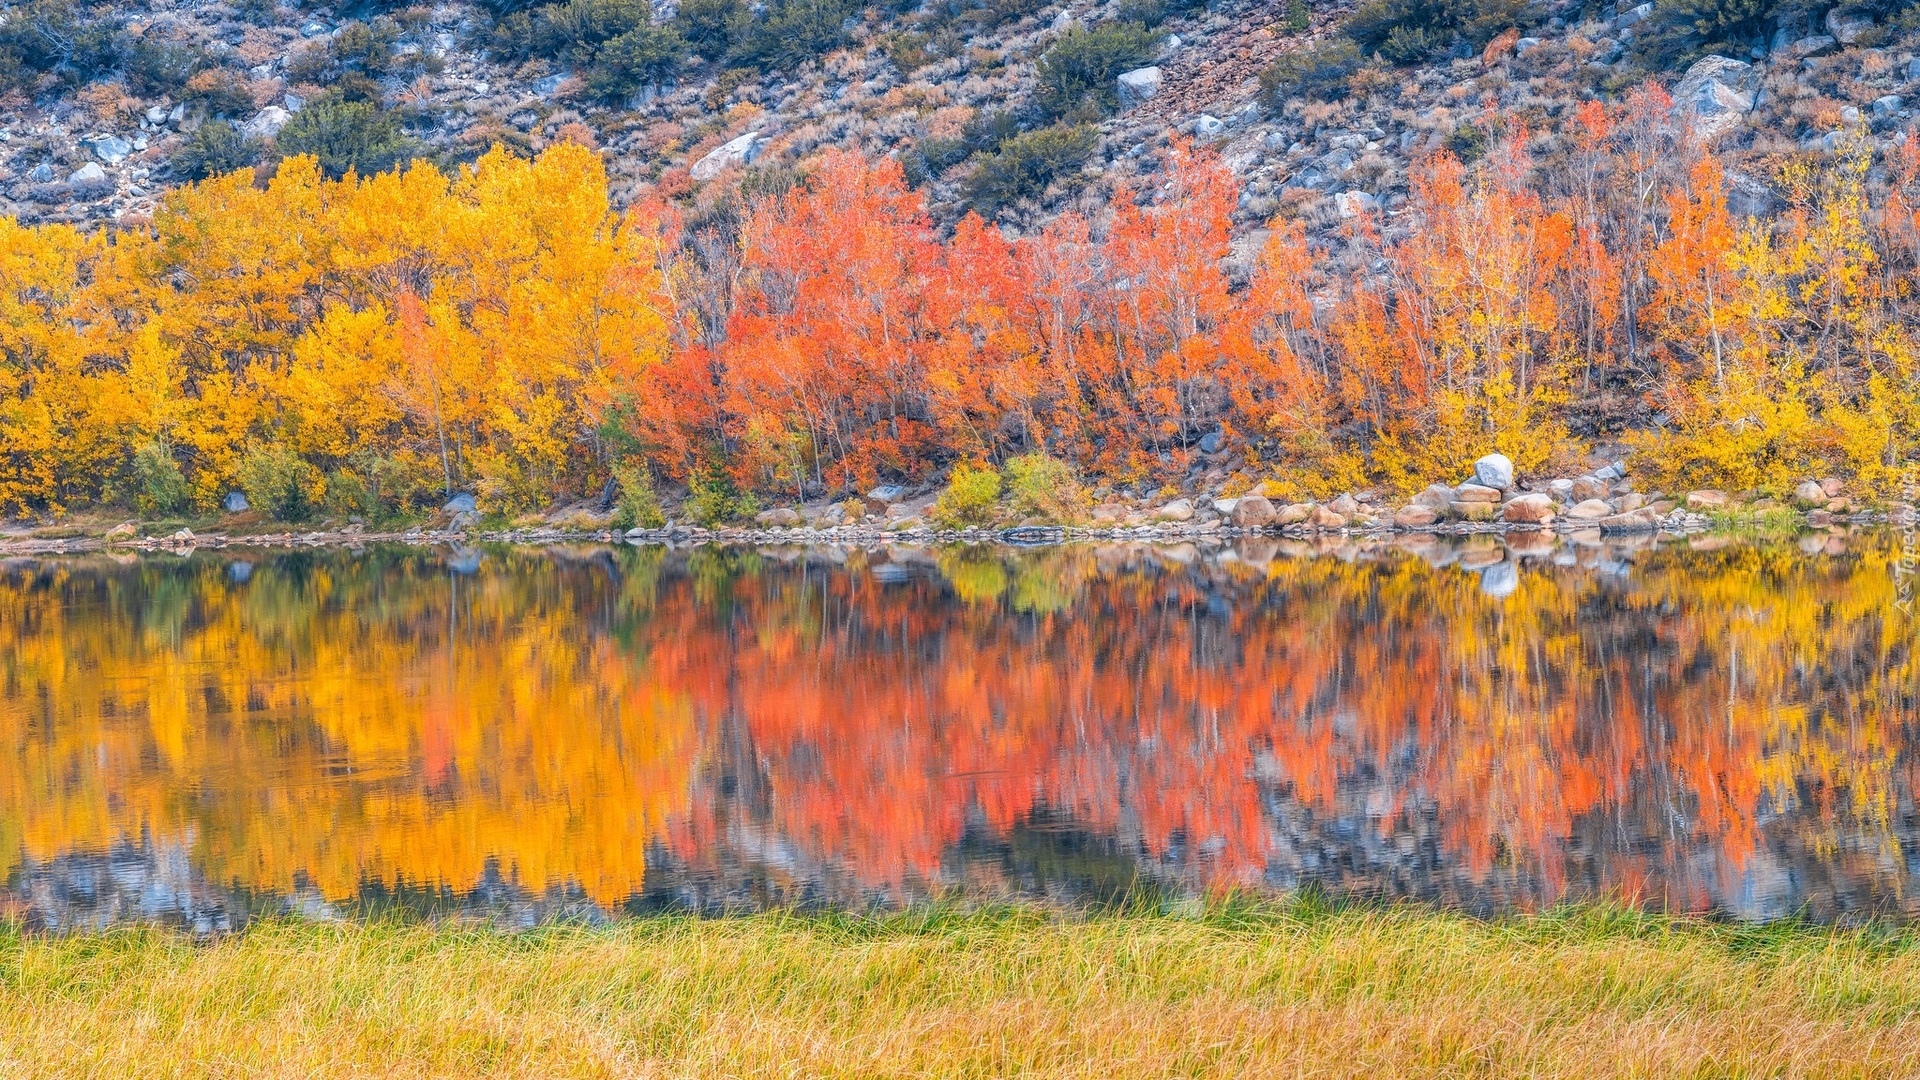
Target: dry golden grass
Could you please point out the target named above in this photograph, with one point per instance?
(1293, 991)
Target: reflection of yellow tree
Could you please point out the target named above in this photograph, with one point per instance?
(339, 725)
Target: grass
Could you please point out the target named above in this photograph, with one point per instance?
(1297, 990)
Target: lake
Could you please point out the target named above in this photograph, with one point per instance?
(526, 734)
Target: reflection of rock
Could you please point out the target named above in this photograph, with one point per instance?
(240, 572)
(1500, 580)
(464, 560)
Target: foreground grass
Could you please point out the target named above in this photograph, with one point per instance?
(1267, 991)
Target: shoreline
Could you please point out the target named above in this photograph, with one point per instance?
(1677, 525)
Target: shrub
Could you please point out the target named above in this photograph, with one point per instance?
(160, 488)
(346, 136)
(708, 26)
(366, 47)
(638, 58)
(1685, 30)
(713, 499)
(1045, 487)
(792, 32)
(219, 92)
(1310, 73)
(577, 29)
(57, 37)
(1076, 77)
(638, 505)
(1405, 31)
(214, 149)
(1296, 20)
(1154, 12)
(156, 66)
(969, 498)
(279, 482)
(1025, 165)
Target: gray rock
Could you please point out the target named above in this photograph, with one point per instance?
(780, 517)
(1352, 204)
(1913, 69)
(1177, 510)
(463, 503)
(90, 173)
(887, 493)
(1817, 45)
(1712, 93)
(293, 103)
(1138, 86)
(111, 149)
(1847, 24)
(235, 502)
(157, 114)
(41, 173)
(1208, 126)
(1525, 45)
(1437, 496)
(1494, 471)
(741, 151)
(1810, 493)
(1886, 107)
(1615, 471)
(1633, 16)
(313, 30)
(1210, 442)
(267, 122)
(1562, 488)
(177, 113)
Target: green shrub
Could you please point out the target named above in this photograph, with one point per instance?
(156, 66)
(713, 498)
(638, 505)
(159, 486)
(969, 498)
(1406, 31)
(577, 29)
(59, 37)
(1468, 142)
(346, 136)
(1317, 72)
(1045, 487)
(1682, 31)
(638, 58)
(708, 26)
(1154, 12)
(1025, 165)
(214, 149)
(1296, 20)
(792, 32)
(279, 482)
(1076, 77)
(219, 92)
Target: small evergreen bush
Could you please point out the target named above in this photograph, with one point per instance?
(214, 149)
(1025, 165)
(346, 136)
(1076, 77)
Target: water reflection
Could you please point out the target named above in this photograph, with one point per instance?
(535, 733)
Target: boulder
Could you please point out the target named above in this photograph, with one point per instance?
(1416, 516)
(1254, 512)
(1345, 506)
(887, 493)
(1224, 507)
(1177, 510)
(780, 517)
(1561, 488)
(1587, 487)
(90, 173)
(1323, 518)
(1590, 510)
(1138, 86)
(1713, 94)
(1294, 513)
(235, 502)
(1637, 521)
(1886, 106)
(1106, 513)
(267, 122)
(741, 151)
(1847, 24)
(1816, 45)
(1208, 126)
(1810, 493)
(1833, 486)
(1633, 16)
(1532, 508)
(462, 503)
(1438, 496)
(1494, 471)
(1353, 204)
(111, 149)
(1476, 493)
(1630, 501)
(1706, 499)
(122, 531)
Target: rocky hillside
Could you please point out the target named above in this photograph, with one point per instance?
(1016, 108)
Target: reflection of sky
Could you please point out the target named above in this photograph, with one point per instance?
(573, 729)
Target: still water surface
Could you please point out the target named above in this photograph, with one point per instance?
(530, 734)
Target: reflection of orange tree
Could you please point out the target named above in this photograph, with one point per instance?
(343, 725)
(1151, 700)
